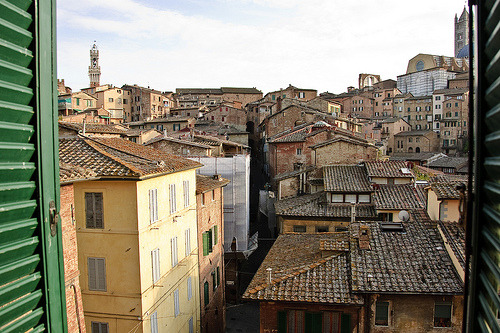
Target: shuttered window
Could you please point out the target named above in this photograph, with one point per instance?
(191, 325)
(177, 309)
(97, 274)
(210, 240)
(94, 210)
(382, 313)
(206, 293)
(153, 205)
(31, 272)
(154, 322)
(173, 199)
(188, 242)
(186, 192)
(483, 290)
(155, 262)
(215, 235)
(173, 249)
(205, 236)
(189, 288)
(99, 327)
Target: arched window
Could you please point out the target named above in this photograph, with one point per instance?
(410, 150)
(417, 150)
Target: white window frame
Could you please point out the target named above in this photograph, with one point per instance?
(173, 249)
(187, 244)
(154, 322)
(189, 288)
(186, 192)
(173, 198)
(153, 205)
(155, 264)
(177, 309)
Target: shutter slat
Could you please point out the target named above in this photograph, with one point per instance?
(26, 322)
(13, 251)
(11, 132)
(17, 230)
(101, 273)
(492, 293)
(15, 113)
(16, 191)
(19, 307)
(489, 316)
(14, 270)
(493, 17)
(17, 171)
(15, 152)
(13, 73)
(24, 285)
(15, 53)
(92, 273)
(18, 210)
(15, 15)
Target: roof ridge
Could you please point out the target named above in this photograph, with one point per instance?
(94, 144)
(297, 271)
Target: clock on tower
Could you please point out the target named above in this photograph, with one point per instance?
(94, 68)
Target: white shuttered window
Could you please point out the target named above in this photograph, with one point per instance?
(155, 260)
(154, 322)
(153, 205)
(173, 246)
(188, 242)
(186, 192)
(177, 309)
(173, 199)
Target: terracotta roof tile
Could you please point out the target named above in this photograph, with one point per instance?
(70, 173)
(300, 274)
(316, 205)
(446, 190)
(95, 127)
(116, 157)
(404, 196)
(414, 261)
(388, 169)
(206, 183)
(454, 235)
(346, 179)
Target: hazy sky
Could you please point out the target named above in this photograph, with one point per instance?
(268, 44)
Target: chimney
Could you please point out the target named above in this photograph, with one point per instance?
(353, 212)
(269, 275)
(216, 177)
(165, 133)
(364, 237)
(278, 104)
(83, 127)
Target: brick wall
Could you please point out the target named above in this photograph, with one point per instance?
(74, 306)
(341, 152)
(211, 214)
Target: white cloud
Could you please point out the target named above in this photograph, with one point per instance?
(318, 44)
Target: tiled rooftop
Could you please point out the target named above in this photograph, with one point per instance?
(316, 205)
(180, 141)
(411, 262)
(403, 196)
(95, 127)
(115, 157)
(454, 235)
(388, 169)
(70, 173)
(206, 183)
(446, 190)
(300, 274)
(448, 162)
(346, 179)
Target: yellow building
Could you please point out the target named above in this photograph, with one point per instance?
(444, 202)
(136, 231)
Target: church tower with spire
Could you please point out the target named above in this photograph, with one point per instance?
(94, 68)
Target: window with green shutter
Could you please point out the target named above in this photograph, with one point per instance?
(281, 321)
(483, 227)
(216, 234)
(206, 293)
(210, 239)
(205, 243)
(31, 265)
(313, 322)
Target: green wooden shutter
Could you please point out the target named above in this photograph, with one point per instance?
(31, 266)
(484, 302)
(313, 322)
(210, 239)
(281, 321)
(216, 235)
(345, 323)
(205, 243)
(206, 293)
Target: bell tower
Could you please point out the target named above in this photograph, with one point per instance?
(94, 68)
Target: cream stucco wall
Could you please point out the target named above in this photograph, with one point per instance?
(432, 205)
(126, 243)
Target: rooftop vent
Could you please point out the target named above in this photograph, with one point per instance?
(391, 226)
(406, 171)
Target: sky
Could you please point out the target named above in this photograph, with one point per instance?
(267, 44)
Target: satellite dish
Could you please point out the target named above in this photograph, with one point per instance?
(404, 216)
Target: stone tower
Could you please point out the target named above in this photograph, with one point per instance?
(461, 31)
(94, 68)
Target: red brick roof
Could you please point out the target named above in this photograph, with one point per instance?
(116, 157)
